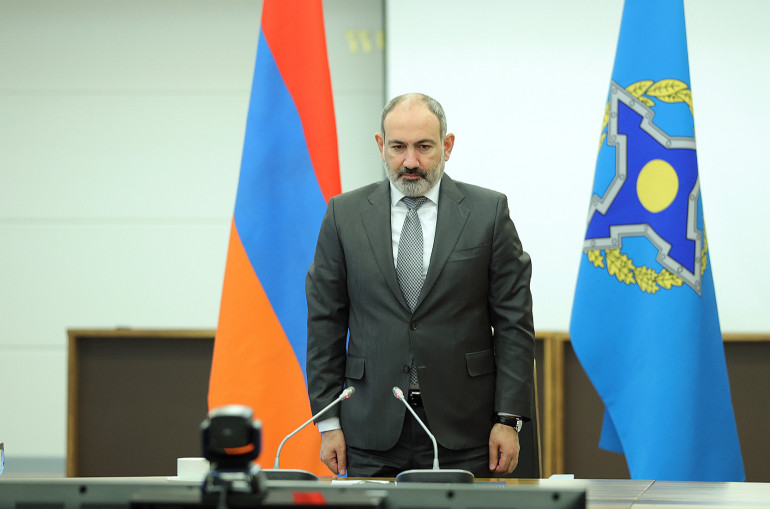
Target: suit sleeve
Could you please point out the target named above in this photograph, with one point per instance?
(327, 319)
(510, 307)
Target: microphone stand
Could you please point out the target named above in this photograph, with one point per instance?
(291, 474)
(449, 475)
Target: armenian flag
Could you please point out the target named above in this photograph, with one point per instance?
(289, 170)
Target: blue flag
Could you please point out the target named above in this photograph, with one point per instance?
(644, 321)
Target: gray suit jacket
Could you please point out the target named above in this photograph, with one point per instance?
(471, 333)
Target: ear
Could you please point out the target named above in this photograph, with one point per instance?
(381, 144)
(449, 143)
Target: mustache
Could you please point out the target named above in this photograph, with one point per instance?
(412, 171)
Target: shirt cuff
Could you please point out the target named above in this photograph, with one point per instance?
(328, 424)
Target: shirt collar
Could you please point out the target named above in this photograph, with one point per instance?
(432, 194)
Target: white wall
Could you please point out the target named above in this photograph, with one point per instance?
(121, 130)
(524, 85)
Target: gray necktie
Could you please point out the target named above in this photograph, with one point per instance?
(409, 262)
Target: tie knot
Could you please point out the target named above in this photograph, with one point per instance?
(414, 203)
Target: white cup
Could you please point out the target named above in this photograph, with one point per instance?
(192, 469)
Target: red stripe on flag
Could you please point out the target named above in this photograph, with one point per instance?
(254, 365)
(294, 30)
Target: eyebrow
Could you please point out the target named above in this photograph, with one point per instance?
(418, 142)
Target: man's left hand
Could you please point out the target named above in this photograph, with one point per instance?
(503, 449)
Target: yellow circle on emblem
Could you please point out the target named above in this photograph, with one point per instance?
(657, 185)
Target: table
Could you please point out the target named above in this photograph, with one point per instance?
(636, 494)
(601, 493)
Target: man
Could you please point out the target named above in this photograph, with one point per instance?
(461, 320)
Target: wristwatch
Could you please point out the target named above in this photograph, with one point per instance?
(514, 422)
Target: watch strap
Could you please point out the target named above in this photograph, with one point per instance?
(514, 422)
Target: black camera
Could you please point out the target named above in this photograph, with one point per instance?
(232, 440)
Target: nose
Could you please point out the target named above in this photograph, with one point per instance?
(410, 158)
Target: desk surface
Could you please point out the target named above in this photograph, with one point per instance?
(600, 493)
(636, 494)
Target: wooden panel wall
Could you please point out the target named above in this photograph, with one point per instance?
(573, 410)
(137, 397)
(135, 400)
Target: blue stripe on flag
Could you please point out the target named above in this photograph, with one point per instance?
(279, 205)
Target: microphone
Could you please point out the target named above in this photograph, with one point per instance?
(290, 474)
(424, 475)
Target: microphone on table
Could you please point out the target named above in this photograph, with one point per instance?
(289, 474)
(436, 474)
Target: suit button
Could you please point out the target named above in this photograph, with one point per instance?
(405, 369)
(413, 326)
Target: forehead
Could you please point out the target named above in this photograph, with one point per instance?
(411, 120)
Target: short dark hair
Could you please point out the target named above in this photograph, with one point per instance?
(433, 105)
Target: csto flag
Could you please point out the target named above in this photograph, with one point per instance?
(289, 170)
(644, 319)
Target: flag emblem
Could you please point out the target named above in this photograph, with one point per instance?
(643, 221)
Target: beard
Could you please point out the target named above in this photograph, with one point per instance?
(418, 187)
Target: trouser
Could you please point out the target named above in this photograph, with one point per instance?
(414, 450)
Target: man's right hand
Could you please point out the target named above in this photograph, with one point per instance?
(333, 451)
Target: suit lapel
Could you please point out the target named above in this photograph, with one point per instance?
(452, 216)
(376, 220)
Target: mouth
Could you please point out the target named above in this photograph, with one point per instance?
(412, 174)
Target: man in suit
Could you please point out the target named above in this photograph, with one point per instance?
(465, 330)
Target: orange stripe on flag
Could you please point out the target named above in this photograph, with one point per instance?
(254, 365)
